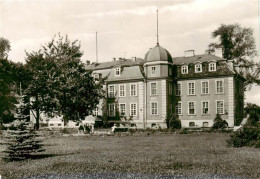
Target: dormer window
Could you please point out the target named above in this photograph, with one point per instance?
(96, 77)
(184, 69)
(198, 68)
(212, 66)
(153, 70)
(117, 71)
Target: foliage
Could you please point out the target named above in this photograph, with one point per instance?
(184, 131)
(81, 128)
(60, 83)
(87, 128)
(248, 136)
(5, 47)
(238, 44)
(253, 111)
(21, 143)
(173, 122)
(219, 123)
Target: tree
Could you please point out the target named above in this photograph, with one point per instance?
(21, 142)
(219, 123)
(60, 83)
(238, 44)
(5, 47)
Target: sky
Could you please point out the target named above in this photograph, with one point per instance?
(125, 28)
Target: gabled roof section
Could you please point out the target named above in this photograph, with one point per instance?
(117, 63)
(196, 59)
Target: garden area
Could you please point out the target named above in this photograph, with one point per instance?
(137, 155)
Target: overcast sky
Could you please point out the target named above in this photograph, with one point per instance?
(125, 28)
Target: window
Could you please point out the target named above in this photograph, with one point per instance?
(154, 108)
(191, 88)
(178, 89)
(133, 109)
(191, 124)
(153, 88)
(205, 124)
(170, 88)
(212, 66)
(111, 91)
(184, 69)
(96, 77)
(191, 108)
(153, 70)
(198, 68)
(220, 107)
(219, 87)
(121, 90)
(133, 89)
(205, 107)
(111, 110)
(122, 109)
(178, 108)
(204, 87)
(117, 71)
(95, 113)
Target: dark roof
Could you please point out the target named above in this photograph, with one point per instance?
(122, 62)
(196, 58)
(158, 53)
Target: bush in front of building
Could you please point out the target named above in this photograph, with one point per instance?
(248, 136)
(219, 123)
(173, 122)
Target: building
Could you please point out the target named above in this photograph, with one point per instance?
(194, 87)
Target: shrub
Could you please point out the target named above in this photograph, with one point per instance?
(248, 136)
(184, 131)
(219, 123)
(173, 122)
(87, 128)
(81, 128)
(21, 143)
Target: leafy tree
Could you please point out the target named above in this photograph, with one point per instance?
(253, 111)
(60, 83)
(238, 44)
(219, 123)
(5, 47)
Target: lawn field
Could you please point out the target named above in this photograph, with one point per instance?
(196, 154)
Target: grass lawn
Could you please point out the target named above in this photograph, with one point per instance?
(166, 154)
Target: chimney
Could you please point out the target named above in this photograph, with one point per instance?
(133, 59)
(88, 62)
(189, 53)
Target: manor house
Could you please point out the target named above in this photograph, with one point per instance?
(194, 87)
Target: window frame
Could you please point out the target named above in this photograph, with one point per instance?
(118, 69)
(222, 107)
(177, 89)
(120, 109)
(202, 86)
(109, 91)
(133, 109)
(216, 86)
(193, 106)
(151, 108)
(109, 109)
(119, 89)
(202, 109)
(198, 65)
(177, 113)
(153, 72)
(214, 65)
(155, 88)
(184, 69)
(130, 85)
(95, 112)
(188, 88)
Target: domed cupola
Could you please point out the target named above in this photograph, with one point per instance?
(158, 53)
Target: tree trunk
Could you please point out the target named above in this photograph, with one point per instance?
(37, 124)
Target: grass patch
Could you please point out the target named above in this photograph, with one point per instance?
(192, 154)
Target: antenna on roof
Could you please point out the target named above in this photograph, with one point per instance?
(157, 29)
(96, 49)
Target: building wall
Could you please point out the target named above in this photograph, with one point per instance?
(227, 96)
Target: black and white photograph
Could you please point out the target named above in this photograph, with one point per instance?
(120, 89)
